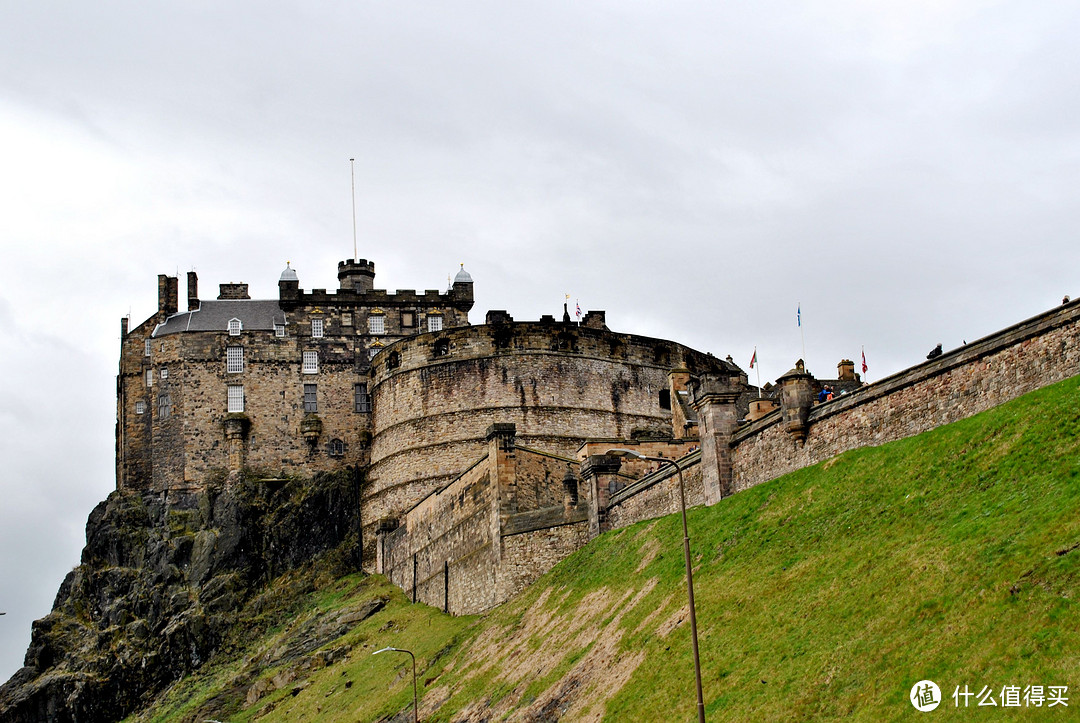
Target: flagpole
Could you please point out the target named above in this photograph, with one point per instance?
(758, 365)
(802, 336)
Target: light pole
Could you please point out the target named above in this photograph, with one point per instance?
(689, 572)
(416, 719)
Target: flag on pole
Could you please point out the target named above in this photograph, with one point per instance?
(864, 367)
(578, 309)
(798, 314)
(753, 359)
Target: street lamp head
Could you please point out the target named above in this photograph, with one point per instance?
(618, 452)
(384, 650)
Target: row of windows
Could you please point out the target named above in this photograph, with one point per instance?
(377, 323)
(235, 400)
(234, 364)
(376, 326)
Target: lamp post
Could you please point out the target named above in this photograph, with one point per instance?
(686, 556)
(416, 719)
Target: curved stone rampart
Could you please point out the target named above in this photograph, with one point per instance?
(436, 394)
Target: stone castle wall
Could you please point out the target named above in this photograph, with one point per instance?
(435, 395)
(656, 495)
(190, 446)
(450, 543)
(959, 384)
(194, 440)
(487, 535)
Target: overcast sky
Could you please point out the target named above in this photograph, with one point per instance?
(906, 171)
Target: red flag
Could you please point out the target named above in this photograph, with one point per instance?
(754, 359)
(864, 367)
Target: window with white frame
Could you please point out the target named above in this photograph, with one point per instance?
(279, 330)
(434, 322)
(376, 324)
(164, 406)
(234, 359)
(371, 352)
(311, 362)
(164, 372)
(146, 348)
(140, 407)
(149, 377)
(317, 328)
(236, 398)
(235, 325)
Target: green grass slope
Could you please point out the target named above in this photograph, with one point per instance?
(826, 594)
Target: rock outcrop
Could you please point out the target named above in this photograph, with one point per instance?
(160, 585)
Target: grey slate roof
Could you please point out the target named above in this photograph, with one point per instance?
(254, 315)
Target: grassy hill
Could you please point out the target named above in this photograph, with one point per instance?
(953, 556)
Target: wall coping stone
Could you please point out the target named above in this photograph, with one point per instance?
(649, 480)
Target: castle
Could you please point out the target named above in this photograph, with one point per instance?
(481, 450)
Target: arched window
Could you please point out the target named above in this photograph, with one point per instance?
(337, 448)
(393, 361)
(442, 347)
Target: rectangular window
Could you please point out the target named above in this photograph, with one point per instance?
(164, 372)
(279, 330)
(434, 322)
(140, 407)
(310, 398)
(317, 328)
(149, 377)
(376, 324)
(361, 400)
(311, 362)
(234, 327)
(236, 398)
(164, 406)
(146, 348)
(408, 319)
(234, 359)
(346, 319)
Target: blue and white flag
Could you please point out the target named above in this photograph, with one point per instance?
(798, 315)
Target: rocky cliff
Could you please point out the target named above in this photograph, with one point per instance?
(160, 585)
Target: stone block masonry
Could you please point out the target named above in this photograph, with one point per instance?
(482, 448)
(435, 395)
(496, 528)
(980, 375)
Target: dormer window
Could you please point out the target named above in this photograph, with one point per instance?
(317, 328)
(235, 325)
(279, 330)
(434, 321)
(376, 323)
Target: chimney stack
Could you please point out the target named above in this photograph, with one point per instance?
(192, 291)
